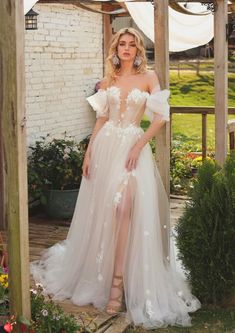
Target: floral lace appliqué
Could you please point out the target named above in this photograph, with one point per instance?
(149, 309)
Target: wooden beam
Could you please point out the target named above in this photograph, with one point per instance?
(107, 31)
(161, 47)
(2, 201)
(221, 80)
(12, 113)
(197, 110)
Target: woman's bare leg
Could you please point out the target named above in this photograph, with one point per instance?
(123, 218)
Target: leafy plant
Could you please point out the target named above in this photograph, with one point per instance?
(4, 297)
(206, 232)
(55, 164)
(183, 151)
(47, 316)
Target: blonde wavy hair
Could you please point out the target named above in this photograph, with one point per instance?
(111, 70)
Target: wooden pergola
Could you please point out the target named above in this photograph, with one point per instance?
(13, 176)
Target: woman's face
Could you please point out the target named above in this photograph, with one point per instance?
(126, 48)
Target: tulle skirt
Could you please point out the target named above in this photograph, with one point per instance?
(81, 267)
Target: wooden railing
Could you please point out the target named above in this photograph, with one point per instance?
(197, 66)
(204, 111)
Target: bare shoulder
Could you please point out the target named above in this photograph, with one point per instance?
(103, 84)
(151, 76)
(151, 79)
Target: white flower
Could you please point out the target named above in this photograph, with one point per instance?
(180, 293)
(149, 308)
(44, 313)
(56, 317)
(133, 173)
(99, 258)
(34, 291)
(66, 156)
(117, 198)
(67, 150)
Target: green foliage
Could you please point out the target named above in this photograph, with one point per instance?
(48, 316)
(206, 232)
(55, 164)
(183, 151)
(4, 295)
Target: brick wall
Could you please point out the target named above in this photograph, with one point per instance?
(63, 62)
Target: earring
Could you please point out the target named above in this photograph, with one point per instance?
(137, 61)
(115, 60)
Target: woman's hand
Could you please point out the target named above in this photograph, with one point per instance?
(86, 165)
(132, 158)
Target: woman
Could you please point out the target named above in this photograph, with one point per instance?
(118, 247)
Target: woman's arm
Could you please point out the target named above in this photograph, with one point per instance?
(157, 123)
(98, 125)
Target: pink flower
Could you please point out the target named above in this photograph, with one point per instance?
(8, 327)
(5, 270)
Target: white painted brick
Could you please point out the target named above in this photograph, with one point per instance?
(38, 37)
(55, 32)
(61, 70)
(50, 38)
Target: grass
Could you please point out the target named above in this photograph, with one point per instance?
(204, 320)
(196, 90)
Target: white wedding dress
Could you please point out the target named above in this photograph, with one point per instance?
(81, 267)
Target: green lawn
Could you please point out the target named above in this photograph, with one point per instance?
(196, 90)
(204, 320)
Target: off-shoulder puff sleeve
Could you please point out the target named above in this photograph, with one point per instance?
(157, 105)
(98, 101)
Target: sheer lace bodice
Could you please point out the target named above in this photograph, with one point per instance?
(129, 111)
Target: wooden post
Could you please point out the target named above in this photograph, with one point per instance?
(12, 116)
(161, 47)
(221, 80)
(107, 31)
(204, 135)
(2, 203)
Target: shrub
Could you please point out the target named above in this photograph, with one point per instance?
(206, 232)
(55, 164)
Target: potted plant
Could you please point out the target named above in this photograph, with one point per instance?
(55, 173)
